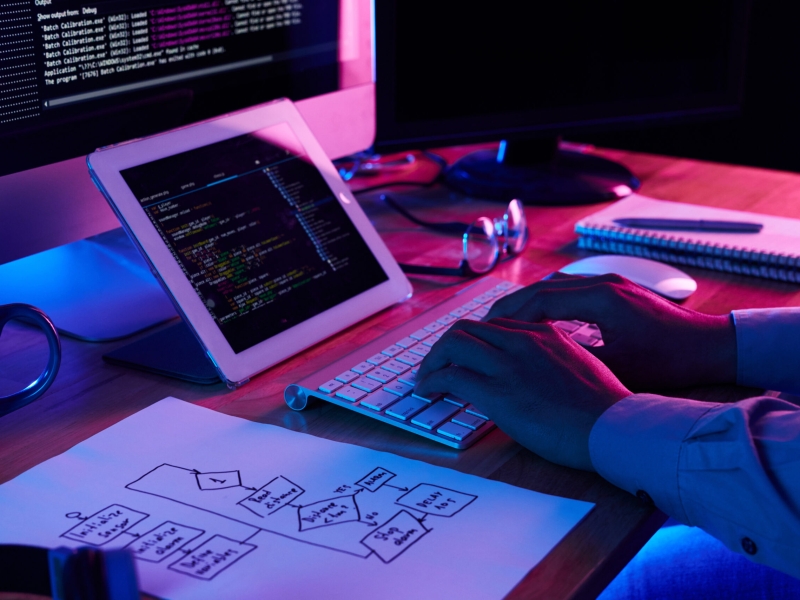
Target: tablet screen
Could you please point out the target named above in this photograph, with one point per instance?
(257, 231)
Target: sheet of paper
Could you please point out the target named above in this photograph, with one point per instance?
(213, 506)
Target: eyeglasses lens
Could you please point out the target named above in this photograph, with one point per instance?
(516, 227)
(481, 247)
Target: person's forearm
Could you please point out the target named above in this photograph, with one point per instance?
(730, 469)
(711, 351)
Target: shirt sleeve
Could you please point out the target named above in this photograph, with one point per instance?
(768, 348)
(731, 469)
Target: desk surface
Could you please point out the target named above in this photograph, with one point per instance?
(89, 395)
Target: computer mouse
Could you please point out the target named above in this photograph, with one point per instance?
(657, 276)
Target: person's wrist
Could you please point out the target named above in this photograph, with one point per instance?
(719, 346)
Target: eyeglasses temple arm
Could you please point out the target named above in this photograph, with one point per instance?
(425, 270)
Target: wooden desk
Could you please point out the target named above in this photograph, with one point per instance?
(89, 395)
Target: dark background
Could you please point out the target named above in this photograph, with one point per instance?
(767, 133)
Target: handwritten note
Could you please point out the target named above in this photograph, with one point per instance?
(212, 506)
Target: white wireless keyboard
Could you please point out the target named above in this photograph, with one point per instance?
(378, 379)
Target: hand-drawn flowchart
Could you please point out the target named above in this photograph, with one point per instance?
(213, 506)
(371, 516)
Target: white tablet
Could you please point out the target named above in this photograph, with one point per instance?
(251, 231)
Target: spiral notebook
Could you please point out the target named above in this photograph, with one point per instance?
(773, 253)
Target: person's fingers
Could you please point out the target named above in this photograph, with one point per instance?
(459, 347)
(456, 380)
(499, 332)
(508, 305)
(593, 300)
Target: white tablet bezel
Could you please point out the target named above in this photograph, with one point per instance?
(105, 166)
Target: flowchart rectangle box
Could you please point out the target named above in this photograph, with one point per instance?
(212, 557)
(105, 525)
(375, 479)
(395, 536)
(271, 497)
(435, 500)
(159, 543)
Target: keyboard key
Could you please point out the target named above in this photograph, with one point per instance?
(514, 288)
(568, 326)
(429, 399)
(490, 304)
(435, 415)
(482, 298)
(406, 342)
(481, 312)
(410, 378)
(381, 375)
(398, 388)
(468, 420)
(408, 358)
(455, 400)
(346, 377)
(379, 400)
(475, 411)
(471, 305)
(361, 368)
(473, 317)
(366, 384)
(593, 331)
(505, 285)
(406, 408)
(433, 327)
(439, 334)
(583, 339)
(459, 312)
(392, 350)
(494, 293)
(454, 431)
(447, 319)
(395, 367)
(350, 393)
(430, 341)
(419, 334)
(330, 386)
(420, 349)
(378, 359)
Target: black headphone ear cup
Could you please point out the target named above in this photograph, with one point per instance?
(24, 570)
(84, 576)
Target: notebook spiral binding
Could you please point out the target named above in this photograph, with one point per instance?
(670, 248)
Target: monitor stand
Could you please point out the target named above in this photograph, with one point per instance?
(96, 290)
(540, 172)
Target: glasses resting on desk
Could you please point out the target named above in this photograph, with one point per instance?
(483, 241)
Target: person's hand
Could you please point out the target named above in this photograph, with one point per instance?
(650, 342)
(539, 386)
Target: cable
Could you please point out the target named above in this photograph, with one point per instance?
(443, 166)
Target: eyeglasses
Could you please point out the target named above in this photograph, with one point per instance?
(483, 241)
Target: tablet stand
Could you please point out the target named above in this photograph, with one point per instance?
(172, 352)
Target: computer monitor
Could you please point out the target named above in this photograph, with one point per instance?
(529, 72)
(78, 75)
